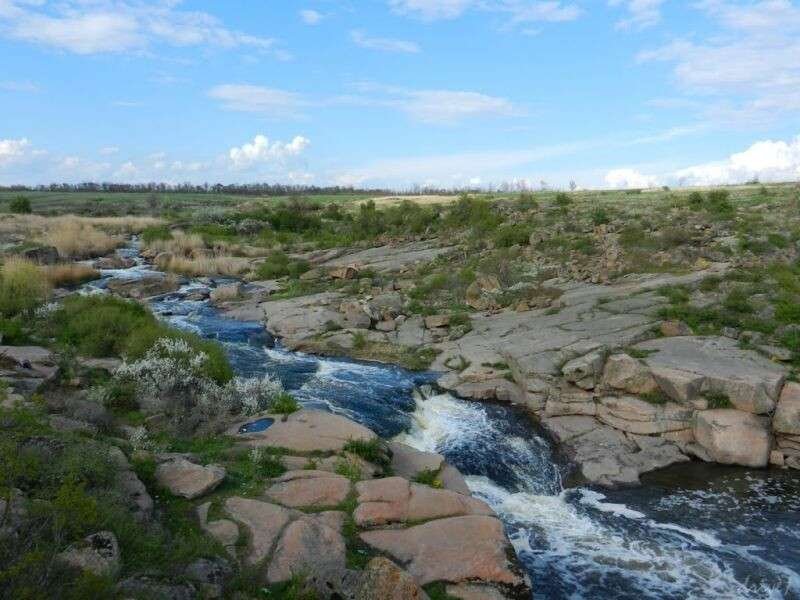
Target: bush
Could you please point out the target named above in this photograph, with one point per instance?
(512, 235)
(102, 326)
(600, 216)
(370, 450)
(563, 200)
(70, 275)
(158, 233)
(696, 199)
(23, 287)
(279, 265)
(20, 205)
(284, 404)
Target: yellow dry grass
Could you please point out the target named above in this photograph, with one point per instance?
(188, 245)
(70, 274)
(23, 286)
(425, 199)
(204, 265)
(75, 237)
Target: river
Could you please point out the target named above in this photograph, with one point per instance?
(690, 531)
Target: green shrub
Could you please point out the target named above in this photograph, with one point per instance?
(517, 234)
(563, 200)
(284, 404)
(600, 216)
(154, 234)
(717, 400)
(370, 450)
(20, 205)
(23, 287)
(279, 264)
(428, 477)
(102, 326)
(696, 199)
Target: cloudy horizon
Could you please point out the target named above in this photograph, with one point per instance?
(401, 93)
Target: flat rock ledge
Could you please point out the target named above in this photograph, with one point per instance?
(304, 521)
(187, 479)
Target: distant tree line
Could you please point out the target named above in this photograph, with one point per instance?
(251, 189)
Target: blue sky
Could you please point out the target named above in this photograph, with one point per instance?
(618, 93)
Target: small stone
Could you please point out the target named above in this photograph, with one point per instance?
(98, 554)
(188, 480)
(674, 328)
(384, 580)
(436, 321)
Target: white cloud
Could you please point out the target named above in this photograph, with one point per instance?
(12, 150)
(311, 17)
(431, 10)
(101, 26)
(384, 44)
(629, 179)
(519, 12)
(444, 106)
(19, 86)
(751, 69)
(258, 99)
(765, 161)
(109, 150)
(641, 13)
(261, 150)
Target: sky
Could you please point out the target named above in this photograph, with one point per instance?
(400, 93)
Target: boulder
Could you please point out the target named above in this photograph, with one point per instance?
(113, 262)
(13, 510)
(263, 521)
(437, 321)
(97, 553)
(210, 575)
(135, 493)
(143, 586)
(144, 287)
(28, 361)
(309, 547)
(228, 291)
(61, 423)
(41, 255)
(394, 500)
(469, 591)
(384, 580)
(674, 328)
(457, 549)
(408, 462)
(307, 431)
(733, 437)
(623, 372)
(226, 532)
(346, 272)
(387, 306)
(307, 489)
(354, 315)
(187, 479)
(637, 416)
(584, 370)
(688, 366)
(787, 415)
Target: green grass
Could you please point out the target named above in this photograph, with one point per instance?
(284, 404)
(370, 450)
(429, 477)
(101, 326)
(717, 399)
(278, 265)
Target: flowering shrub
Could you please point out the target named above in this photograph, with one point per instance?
(172, 377)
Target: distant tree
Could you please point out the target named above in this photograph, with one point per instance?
(573, 186)
(152, 201)
(20, 205)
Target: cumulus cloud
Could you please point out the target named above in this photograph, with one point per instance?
(763, 161)
(766, 161)
(518, 12)
(629, 179)
(258, 99)
(360, 38)
(641, 13)
(311, 17)
(261, 150)
(102, 26)
(19, 86)
(12, 150)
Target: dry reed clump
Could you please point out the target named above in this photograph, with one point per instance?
(70, 274)
(203, 265)
(38, 225)
(180, 244)
(74, 238)
(23, 287)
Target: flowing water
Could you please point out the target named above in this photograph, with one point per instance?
(692, 531)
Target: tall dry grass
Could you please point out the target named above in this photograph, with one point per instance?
(23, 287)
(204, 265)
(180, 244)
(75, 237)
(70, 274)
